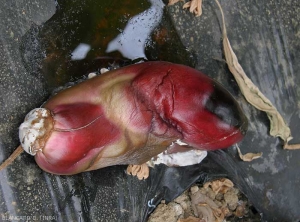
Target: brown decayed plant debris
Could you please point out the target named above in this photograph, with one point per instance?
(141, 171)
(248, 157)
(219, 186)
(195, 6)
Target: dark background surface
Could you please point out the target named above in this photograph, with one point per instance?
(35, 58)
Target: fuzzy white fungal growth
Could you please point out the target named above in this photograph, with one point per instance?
(179, 142)
(33, 130)
(103, 70)
(92, 75)
(187, 158)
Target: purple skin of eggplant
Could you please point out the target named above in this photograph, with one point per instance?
(131, 114)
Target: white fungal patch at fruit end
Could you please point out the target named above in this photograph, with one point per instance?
(187, 158)
(33, 130)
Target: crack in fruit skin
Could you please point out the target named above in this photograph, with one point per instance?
(129, 115)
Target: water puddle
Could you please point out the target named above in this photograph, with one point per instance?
(86, 35)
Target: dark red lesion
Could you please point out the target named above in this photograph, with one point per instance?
(192, 106)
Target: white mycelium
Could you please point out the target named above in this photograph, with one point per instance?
(33, 128)
(92, 75)
(104, 70)
(179, 142)
(187, 158)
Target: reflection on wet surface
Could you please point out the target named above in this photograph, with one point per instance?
(80, 51)
(81, 36)
(132, 40)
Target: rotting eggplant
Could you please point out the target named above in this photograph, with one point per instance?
(128, 116)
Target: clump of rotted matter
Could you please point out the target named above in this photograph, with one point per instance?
(215, 201)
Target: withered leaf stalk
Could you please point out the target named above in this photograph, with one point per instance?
(11, 158)
(248, 157)
(278, 127)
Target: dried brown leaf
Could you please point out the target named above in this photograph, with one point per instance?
(291, 146)
(219, 215)
(190, 219)
(278, 127)
(204, 207)
(219, 186)
(194, 5)
(141, 171)
(186, 5)
(240, 211)
(248, 157)
(172, 2)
